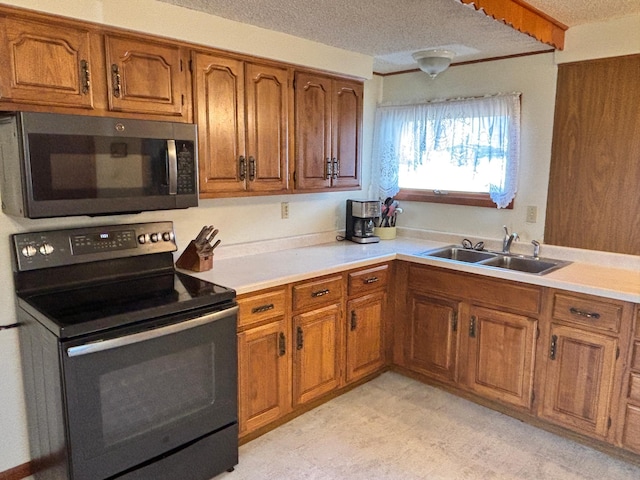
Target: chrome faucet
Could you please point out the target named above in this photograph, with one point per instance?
(508, 240)
(536, 248)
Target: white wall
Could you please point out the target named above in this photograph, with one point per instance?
(238, 219)
(533, 76)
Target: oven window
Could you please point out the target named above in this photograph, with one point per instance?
(145, 396)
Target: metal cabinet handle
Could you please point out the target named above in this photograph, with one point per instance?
(320, 293)
(554, 347)
(252, 169)
(242, 167)
(263, 308)
(115, 80)
(86, 79)
(328, 169)
(472, 327)
(299, 338)
(370, 280)
(582, 313)
(354, 320)
(282, 344)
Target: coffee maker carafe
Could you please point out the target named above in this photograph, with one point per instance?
(361, 217)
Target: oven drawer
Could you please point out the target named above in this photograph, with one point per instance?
(368, 280)
(317, 292)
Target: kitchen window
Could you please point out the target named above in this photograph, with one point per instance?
(461, 151)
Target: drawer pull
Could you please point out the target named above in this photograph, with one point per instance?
(582, 313)
(263, 308)
(472, 327)
(371, 280)
(320, 293)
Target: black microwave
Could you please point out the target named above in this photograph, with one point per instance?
(56, 165)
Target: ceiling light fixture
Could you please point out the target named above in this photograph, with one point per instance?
(434, 62)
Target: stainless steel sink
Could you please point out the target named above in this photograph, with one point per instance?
(520, 263)
(458, 253)
(537, 266)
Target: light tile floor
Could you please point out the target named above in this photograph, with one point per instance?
(397, 428)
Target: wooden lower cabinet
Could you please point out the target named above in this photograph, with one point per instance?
(501, 355)
(264, 375)
(579, 379)
(365, 336)
(630, 428)
(432, 346)
(316, 359)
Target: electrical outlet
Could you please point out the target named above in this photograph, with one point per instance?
(532, 214)
(284, 210)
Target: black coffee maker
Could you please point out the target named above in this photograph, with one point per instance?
(361, 217)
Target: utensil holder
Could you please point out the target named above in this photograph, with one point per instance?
(191, 260)
(385, 233)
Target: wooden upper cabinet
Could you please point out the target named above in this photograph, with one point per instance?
(593, 182)
(45, 63)
(328, 132)
(145, 76)
(242, 111)
(219, 113)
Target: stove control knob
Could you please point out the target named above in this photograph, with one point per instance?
(144, 238)
(155, 237)
(168, 236)
(46, 249)
(29, 251)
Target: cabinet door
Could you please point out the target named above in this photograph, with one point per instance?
(579, 379)
(431, 343)
(365, 345)
(316, 361)
(144, 76)
(45, 64)
(346, 130)
(313, 98)
(267, 127)
(501, 355)
(264, 375)
(219, 112)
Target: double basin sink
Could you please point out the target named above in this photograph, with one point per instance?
(520, 263)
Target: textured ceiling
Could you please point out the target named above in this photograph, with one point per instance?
(391, 30)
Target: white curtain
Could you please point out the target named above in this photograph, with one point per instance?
(467, 129)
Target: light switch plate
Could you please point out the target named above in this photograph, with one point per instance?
(532, 214)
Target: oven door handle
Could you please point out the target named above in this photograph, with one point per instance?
(103, 345)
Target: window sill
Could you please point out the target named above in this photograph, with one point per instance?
(451, 198)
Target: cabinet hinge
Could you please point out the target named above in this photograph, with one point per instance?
(183, 99)
(617, 353)
(454, 322)
(537, 333)
(533, 396)
(191, 65)
(181, 66)
(609, 423)
(295, 176)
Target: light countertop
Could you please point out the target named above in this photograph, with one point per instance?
(257, 271)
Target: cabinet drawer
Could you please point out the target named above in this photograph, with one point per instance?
(261, 306)
(635, 360)
(634, 388)
(369, 280)
(588, 311)
(631, 438)
(317, 292)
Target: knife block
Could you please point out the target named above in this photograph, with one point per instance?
(191, 260)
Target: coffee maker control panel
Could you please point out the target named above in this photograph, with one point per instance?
(367, 209)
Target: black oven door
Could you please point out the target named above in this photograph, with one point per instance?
(142, 393)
